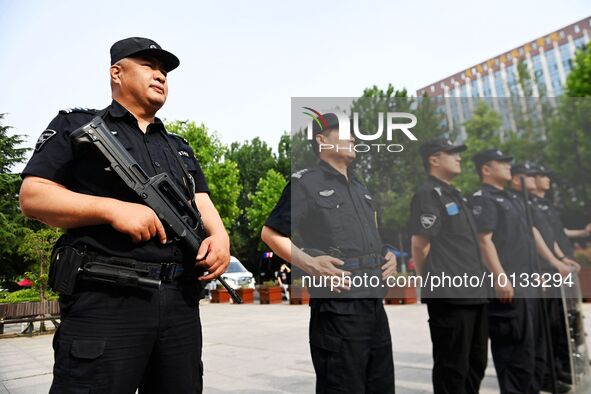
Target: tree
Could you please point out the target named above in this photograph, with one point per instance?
(483, 131)
(222, 173)
(12, 221)
(578, 82)
(263, 200)
(254, 158)
(36, 247)
(393, 178)
(569, 146)
(284, 156)
(10, 154)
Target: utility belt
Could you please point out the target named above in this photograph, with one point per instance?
(69, 264)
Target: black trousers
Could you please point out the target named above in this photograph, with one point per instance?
(351, 346)
(459, 334)
(518, 345)
(114, 340)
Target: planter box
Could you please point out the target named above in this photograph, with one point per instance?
(401, 295)
(247, 295)
(219, 296)
(298, 295)
(270, 295)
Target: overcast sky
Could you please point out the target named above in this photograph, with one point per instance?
(242, 61)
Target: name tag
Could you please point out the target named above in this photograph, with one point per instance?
(452, 208)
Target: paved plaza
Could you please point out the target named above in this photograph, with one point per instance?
(252, 349)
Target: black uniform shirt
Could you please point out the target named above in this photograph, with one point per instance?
(83, 170)
(502, 212)
(319, 208)
(553, 217)
(439, 212)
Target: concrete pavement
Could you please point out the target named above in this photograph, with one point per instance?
(253, 349)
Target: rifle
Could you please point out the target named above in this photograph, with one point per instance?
(179, 218)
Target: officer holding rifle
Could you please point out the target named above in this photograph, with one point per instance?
(115, 339)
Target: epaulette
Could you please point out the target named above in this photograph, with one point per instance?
(477, 193)
(300, 173)
(90, 111)
(178, 137)
(438, 190)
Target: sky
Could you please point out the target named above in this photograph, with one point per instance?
(243, 61)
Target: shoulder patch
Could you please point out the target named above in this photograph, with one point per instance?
(438, 190)
(477, 193)
(427, 220)
(300, 173)
(90, 111)
(43, 138)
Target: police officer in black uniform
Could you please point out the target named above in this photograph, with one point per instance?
(115, 339)
(510, 247)
(330, 214)
(445, 241)
(547, 220)
(561, 233)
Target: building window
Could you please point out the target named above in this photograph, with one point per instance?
(577, 29)
(534, 45)
(561, 34)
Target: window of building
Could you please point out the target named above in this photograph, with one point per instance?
(577, 29)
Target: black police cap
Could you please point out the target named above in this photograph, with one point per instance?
(541, 170)
(327, 121)
(484, 156)
(439, 145)
(523, 169)
(139, 46)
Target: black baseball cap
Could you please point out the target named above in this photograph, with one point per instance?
(139, 46)
(327, 121)
(439, 145)
(484, 156)
(541, 170)
(523, 169)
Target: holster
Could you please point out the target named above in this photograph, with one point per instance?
(66, 264)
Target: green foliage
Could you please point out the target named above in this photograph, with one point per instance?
(578, 82)
(482, 131)
(268, 284)
(393, 178)
(283, 165)
(36, 247)
(25, 295)
(254, 158)
(263, 200)
(568, 150)
(10, 154)
(221, 172)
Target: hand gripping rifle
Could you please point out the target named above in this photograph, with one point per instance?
(158, 192)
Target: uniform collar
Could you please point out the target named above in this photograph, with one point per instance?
(333, 171)
(444, 185)
(492, 189)
(116, 110)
